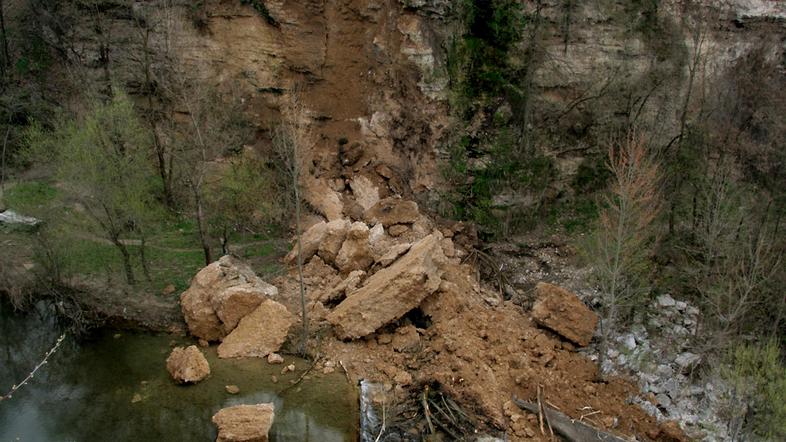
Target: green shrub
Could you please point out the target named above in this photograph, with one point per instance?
(758, 380)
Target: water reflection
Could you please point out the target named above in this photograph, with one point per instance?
(115, 387)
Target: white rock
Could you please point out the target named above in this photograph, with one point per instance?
(666, 301)
(687, 359)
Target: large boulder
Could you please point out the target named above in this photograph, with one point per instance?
(187, 365)
(309, 242)
(260, 333)
(234, 303)
(365, 191)
(244, 423)
(563, 312)
(392, 210)
(391, 292)
(335, 234)
(204, 304)
(355, 253)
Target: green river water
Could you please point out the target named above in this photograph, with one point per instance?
(113, 386)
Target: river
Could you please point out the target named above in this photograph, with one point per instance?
(113, 385)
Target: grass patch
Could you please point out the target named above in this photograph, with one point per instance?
(30, 197)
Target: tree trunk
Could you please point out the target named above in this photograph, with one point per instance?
(300, 270)
(143, 258)
(4, 37)
(200, 219)
(126, 260)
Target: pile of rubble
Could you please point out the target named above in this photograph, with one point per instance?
(663, 367)
(394, 304)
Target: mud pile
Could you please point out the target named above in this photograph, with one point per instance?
(393, 303)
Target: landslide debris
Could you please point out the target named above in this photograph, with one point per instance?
(260, 333)
(391, 292)
(187, 365)
(220, 295)
(563, 312)
(244, 423)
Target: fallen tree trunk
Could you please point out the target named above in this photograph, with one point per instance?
(567, 427)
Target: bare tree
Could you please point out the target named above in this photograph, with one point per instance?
(291, 139)
(619, 248)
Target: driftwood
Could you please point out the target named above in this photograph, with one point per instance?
(570, 429)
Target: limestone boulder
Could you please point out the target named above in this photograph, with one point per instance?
(563, 313)
(393, 253)
(391, 211)
(355, 253)
(391, 292)
(345, 287)
(365, 191)
(258, 334)
(234, 303)
(219, 295)
(187, 365)
(335, 234)
(309, 242)
(244, 423)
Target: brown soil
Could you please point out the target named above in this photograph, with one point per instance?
(481, 356)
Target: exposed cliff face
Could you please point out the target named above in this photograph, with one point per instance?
(369, 72)
(372, 73)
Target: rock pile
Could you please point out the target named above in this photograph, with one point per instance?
(220, 295)
(663, 367)
(228, 302)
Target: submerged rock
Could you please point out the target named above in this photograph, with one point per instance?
(391, 292)
(562, 312)
(260, 333)
(244, 423)
(187, 365)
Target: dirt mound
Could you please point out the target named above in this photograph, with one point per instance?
(425, 320)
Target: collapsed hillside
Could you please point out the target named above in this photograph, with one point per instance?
(375, 81)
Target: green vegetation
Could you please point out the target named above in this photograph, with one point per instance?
(757, 402)
(30, 197)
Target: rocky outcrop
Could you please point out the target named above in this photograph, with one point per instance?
(219, 295)
(563, 312)
(187, 365)
(260, 333)
(391, 292)
(244, 423)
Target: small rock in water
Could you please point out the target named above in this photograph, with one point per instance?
(117, 336)
(274, 379)
(288, 368)
(187, 365)
(203, 343)
(275, 358)
(232, 389)
(137, 398)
